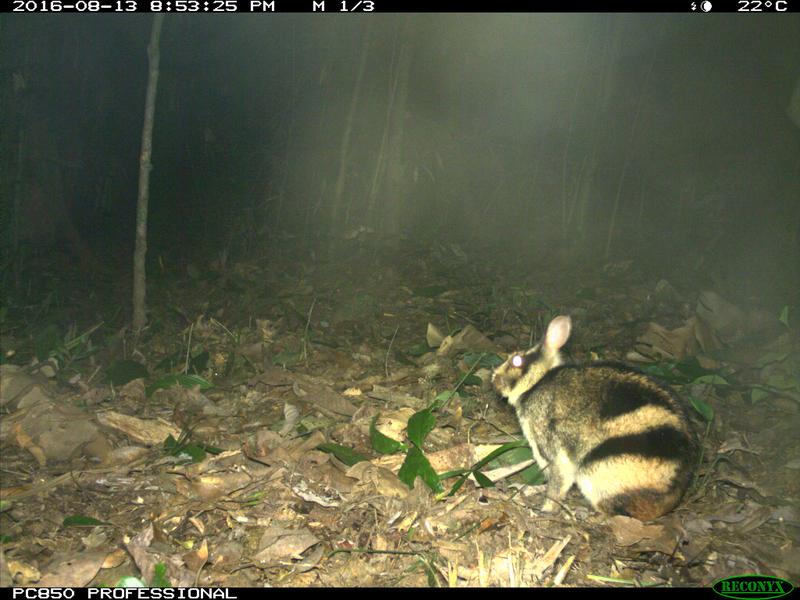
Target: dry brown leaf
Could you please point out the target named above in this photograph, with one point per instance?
(224, 461)
(657, 342)
(227, 554)
(629, 531)
(74, 571)
(725, 318)
(455, 457)
(282, 545)
(562, 572)
(395, 398)
(209, 487)
(323, 397)
(704, 335)
(52, 432)
(134, 391)
(22, 573)
(150, 432)
(125, 455)
(325, 496)
(253, 351)
(468, 339)
(195, 560)
(263, 443)
(374, 479)
(146, 559)
(490, 523)
(392, 424)
(299, 447)
(24, 441)
(198, 524)
(114, 559)
(18, 389)
(272, 377)
(310, 560)
(433, 336)
(647, 538)
(541, 564)
(219, 475)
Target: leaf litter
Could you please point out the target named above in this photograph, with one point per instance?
(344, 433)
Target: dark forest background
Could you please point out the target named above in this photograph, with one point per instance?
(664, 139)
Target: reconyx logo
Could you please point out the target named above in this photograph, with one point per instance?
(745, 587)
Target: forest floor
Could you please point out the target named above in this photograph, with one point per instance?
(263, 429)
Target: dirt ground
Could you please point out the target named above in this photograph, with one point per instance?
(272, 476)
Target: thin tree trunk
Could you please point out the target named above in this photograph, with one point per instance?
(344, 152)
(145, 165)
(289, 131)
(380, 161)
(393, 215)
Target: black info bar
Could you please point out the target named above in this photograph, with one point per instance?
(128, 593)
(397, 6)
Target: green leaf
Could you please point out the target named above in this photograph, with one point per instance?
(193, 453)
(757, 394)
(663, 371)
(82, 521)
(420, 425)
(499, 451)
(187, 381)
(454, 473)
(784, 316)
(532, 475)
(190, 452)
(123, 371)
(416, 465)
(519, 449)
(519, 452)
(487, 361)
(382, 443)
(160, 576)
(472, 379)
(442, 399)
(692, 369)
(458, 484)
(714, 379)
(702, 407)
(483, 480)
(5, 505)
(347, 455)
